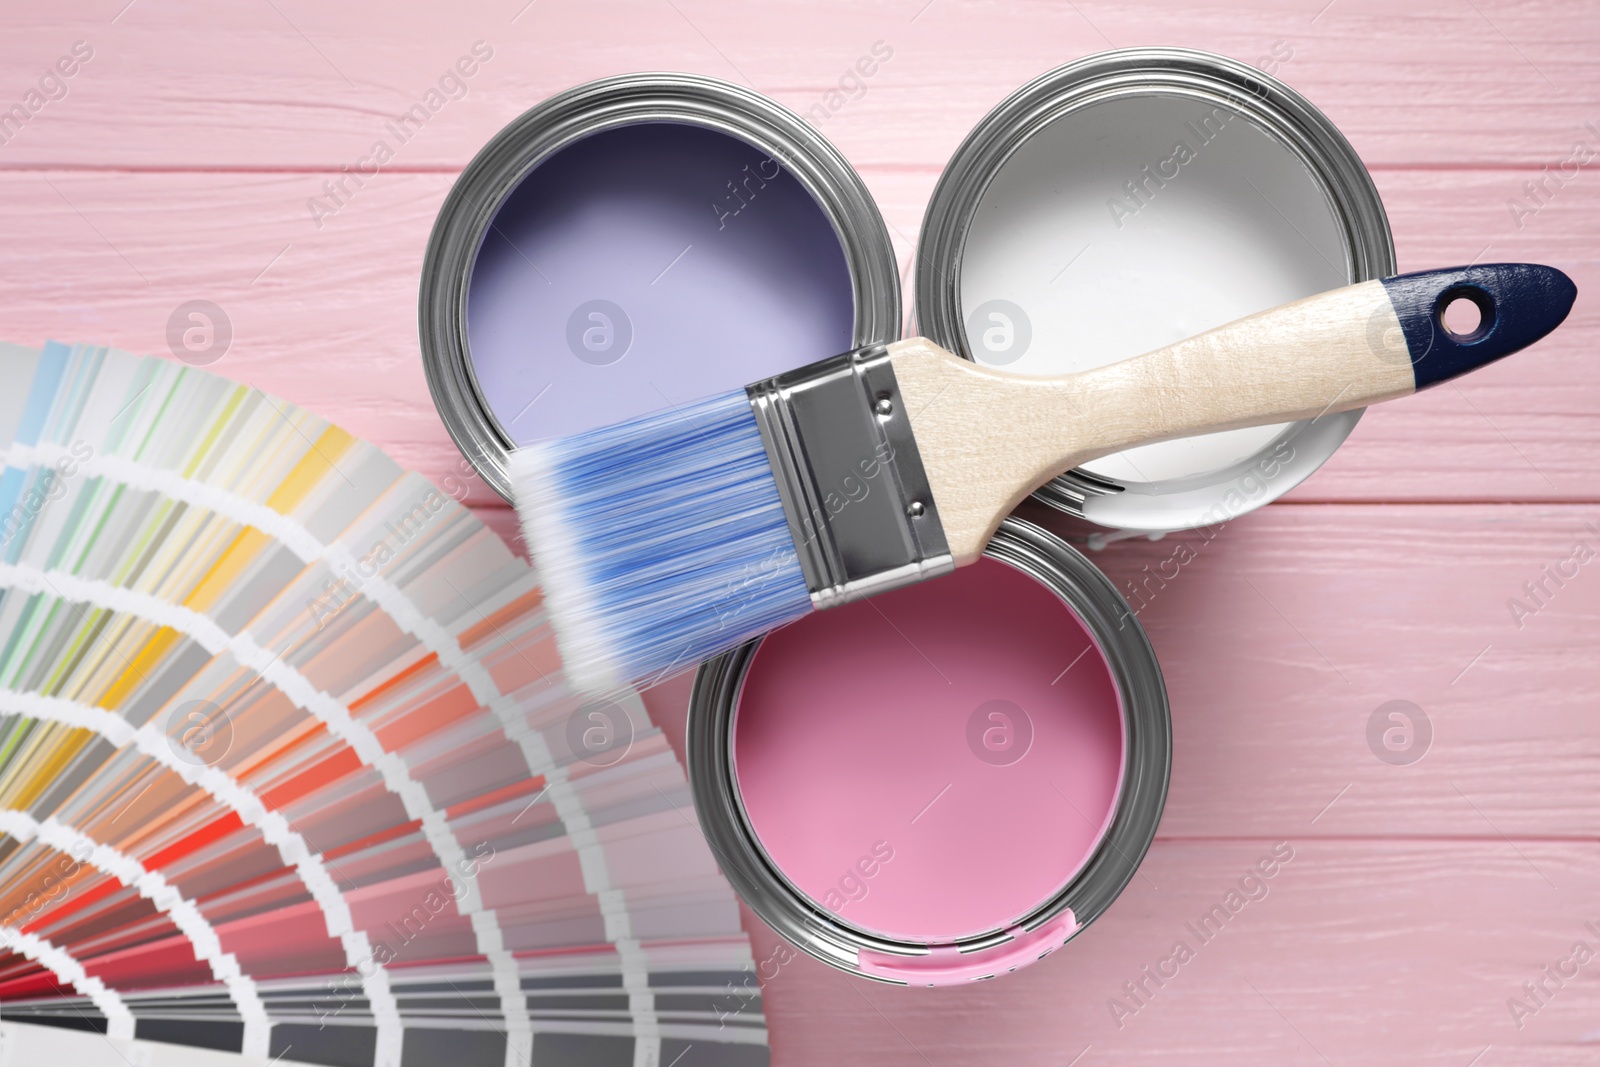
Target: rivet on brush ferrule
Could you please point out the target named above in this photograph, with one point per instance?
(847, 467)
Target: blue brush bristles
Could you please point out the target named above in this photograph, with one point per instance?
(659, 542)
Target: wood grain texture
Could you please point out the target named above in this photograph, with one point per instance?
(1280, 634)
(180, 165)
(1326, 353)
(296, 84)
(1421, 896)
(1378, 954)
(327, 317)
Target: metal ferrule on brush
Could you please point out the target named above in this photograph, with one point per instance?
(851, 479)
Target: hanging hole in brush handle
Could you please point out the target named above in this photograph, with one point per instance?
(1466, 314)
(1517, 303)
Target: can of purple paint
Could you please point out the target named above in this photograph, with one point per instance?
(1129, 200)
(639, 242)
(947, 782)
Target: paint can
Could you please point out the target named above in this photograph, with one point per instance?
(637, 242)
(1129, 200)
(813, 754)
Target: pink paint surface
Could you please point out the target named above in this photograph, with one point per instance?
(857, 750)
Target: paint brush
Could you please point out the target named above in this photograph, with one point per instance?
(669, 538)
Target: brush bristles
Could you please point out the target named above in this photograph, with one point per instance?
(659, 542)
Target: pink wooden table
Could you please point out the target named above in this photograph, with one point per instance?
(180, 163)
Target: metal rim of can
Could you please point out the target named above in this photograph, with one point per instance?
(1277, 109)
(1147, 766)
(500, 166)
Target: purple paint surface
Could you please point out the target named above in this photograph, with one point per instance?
(935, 762)
(646, 266)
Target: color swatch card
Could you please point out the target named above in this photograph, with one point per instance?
(288, 767)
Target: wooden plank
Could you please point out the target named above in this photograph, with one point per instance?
(1283, 636)
(327, 318)
(299, 84)
(1505, 432)
(1379, 953)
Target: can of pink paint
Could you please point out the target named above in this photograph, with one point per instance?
(612, 251)
(1129, 200)
(943, 783)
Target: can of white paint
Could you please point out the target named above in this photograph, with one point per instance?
(1132, 199)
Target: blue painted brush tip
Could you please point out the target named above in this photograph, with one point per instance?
(1518, 303)
(660, 541)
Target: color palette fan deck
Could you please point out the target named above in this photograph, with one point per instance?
(287, 764)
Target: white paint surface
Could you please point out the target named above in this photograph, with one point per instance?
(1229, 224)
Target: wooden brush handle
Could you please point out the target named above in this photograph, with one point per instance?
(988, 438)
